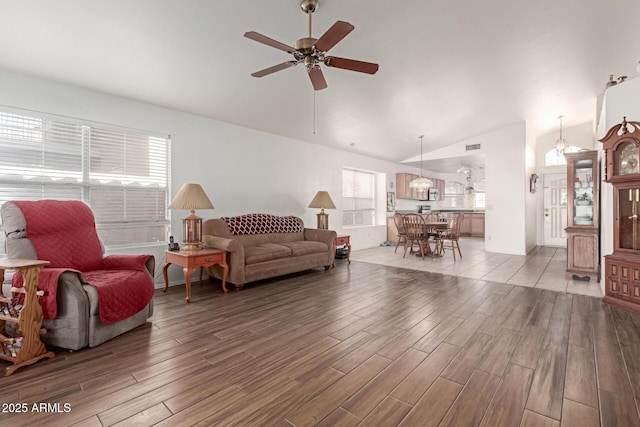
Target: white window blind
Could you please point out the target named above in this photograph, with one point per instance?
(358, 197)
(122, 174)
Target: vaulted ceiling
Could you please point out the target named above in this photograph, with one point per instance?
(448, 69)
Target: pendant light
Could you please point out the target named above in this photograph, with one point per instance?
(421, 184)
(561, 143)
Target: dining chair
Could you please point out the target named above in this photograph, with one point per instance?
(416, 232)
(451, 237)
(402, 236)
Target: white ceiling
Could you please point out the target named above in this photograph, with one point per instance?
(448, 69)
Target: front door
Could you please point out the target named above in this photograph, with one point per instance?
(555, 210)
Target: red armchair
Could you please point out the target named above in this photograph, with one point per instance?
(89, 298)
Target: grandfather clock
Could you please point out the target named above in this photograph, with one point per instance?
(622, 169)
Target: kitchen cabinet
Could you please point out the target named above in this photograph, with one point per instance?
(472, 224)
(392, 230)
(404, 191)
(465, 225)
(440, 187)
(477, 225)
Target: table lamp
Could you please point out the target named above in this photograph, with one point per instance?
(322, 200)
(191, 196)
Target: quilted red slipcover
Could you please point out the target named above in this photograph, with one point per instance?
(64, 233)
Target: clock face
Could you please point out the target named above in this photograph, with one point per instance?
(629, 164)
(628, 159)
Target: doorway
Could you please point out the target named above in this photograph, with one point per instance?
(555, 210)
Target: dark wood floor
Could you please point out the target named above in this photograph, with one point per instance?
(359, 345)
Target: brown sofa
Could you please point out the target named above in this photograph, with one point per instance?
(262, 246)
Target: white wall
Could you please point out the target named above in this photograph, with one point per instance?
(531, 208)
(242, 170)
(507, 186)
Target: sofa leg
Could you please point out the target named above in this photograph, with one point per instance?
(326, 267)
(239, 286)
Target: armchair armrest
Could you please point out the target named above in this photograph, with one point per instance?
(130, 262)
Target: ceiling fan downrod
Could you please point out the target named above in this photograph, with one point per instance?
(308, 7)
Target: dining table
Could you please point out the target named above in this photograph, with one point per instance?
(431, 228)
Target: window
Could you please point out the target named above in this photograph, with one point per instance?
(479, 196)
(453, 194)
(552, 158)
(122, 174)
(358, 197)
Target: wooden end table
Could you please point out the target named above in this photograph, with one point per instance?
(342, 241)
(190, 260)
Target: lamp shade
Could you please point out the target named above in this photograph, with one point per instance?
(322, 200)
(191, 196)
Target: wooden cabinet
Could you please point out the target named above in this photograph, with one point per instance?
(440, 187)
(477, 225)
(392, 230)
(582, 215)
(404, 191)
(622, 267)
(465, 226)
(472, 224)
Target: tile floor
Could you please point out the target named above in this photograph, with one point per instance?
(544, 267)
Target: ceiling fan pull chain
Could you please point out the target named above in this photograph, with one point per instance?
(314, 112)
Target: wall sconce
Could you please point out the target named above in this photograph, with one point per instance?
(532, 183)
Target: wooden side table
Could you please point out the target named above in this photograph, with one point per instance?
(342, 241)
(190, 260)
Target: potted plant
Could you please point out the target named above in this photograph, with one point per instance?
(583, 199)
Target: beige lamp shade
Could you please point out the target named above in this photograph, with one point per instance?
(191, 196)
(322, 200)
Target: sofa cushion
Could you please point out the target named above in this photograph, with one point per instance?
(265, 252)
(306, 247)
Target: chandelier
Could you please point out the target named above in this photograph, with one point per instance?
(561, 143)
(421, 184)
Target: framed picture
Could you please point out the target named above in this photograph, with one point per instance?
(391, 201)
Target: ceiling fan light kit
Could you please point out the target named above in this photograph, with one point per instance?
(312, 52)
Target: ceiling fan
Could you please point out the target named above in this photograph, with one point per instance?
(312, 52)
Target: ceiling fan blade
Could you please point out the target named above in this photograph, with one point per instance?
(317, 79)
(351, 64)
(268, 41)
(275, 68)
(333, 35)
